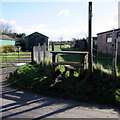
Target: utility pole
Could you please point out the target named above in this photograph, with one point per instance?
(90, 41)
(114, 54)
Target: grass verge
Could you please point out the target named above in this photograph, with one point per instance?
(42, 79)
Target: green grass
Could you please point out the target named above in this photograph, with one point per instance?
(106, 61)
(99, 59)
(42, 79)
(13, 56)
(16, 53)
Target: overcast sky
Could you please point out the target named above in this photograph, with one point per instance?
(59, 19)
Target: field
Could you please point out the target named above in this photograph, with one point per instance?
(42, 79)
(14, 57)
(101, 60)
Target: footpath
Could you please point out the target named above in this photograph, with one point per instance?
(20, 104)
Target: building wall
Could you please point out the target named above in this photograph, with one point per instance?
(34, 40)
(103, 46)
(7, 42)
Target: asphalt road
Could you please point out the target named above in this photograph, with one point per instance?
(20, 104)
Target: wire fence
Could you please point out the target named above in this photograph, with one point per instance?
(15, 57)
(105, 60)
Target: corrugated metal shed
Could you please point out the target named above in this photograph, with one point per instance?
(34, 39)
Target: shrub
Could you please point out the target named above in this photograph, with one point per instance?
(8, 48)
(117, 95)
(41, 78)
(1, 49)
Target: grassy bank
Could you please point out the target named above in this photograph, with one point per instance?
(103, 89)
(42, 79)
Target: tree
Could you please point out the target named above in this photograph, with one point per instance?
(20, 35)
(5, 28)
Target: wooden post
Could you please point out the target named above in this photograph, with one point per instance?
(32, 54)
(52, 46)
(114, 49)
(6, 55)
(90, 42)
(18, 56)
(86, 61)
(82, 63)
(54, 60)
(39, 51)
(44, 51)
(60, 44)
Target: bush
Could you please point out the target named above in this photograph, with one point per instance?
(8, 48)
(117, 95)
(1, 49)
(41, 78)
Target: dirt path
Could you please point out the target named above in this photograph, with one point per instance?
(20, 104)
(6, 71)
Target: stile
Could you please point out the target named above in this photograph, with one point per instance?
(81, 63)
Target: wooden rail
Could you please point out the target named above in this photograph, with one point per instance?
(67, 63)
(70, 52)
(55, 59)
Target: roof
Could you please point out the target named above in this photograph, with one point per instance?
(108, 31)
(5, 37)
(37, 33)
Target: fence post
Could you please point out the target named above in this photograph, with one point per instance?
(60, 44)
(82, 63)
(32, 54)
(35, 54)
(44, 52)
(54, 60)
(39, 51)
(52, 46)
(18, 56)
(6, 55)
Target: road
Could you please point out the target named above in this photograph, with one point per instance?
(21, 104)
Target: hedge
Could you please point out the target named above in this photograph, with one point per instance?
(7, 48)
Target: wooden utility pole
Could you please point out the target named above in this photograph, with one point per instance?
(90, 41)
(114, 54)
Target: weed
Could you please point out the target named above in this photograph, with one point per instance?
(41, 78)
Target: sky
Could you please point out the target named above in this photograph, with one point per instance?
(59, 20)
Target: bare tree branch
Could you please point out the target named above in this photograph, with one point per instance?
(5, 28)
